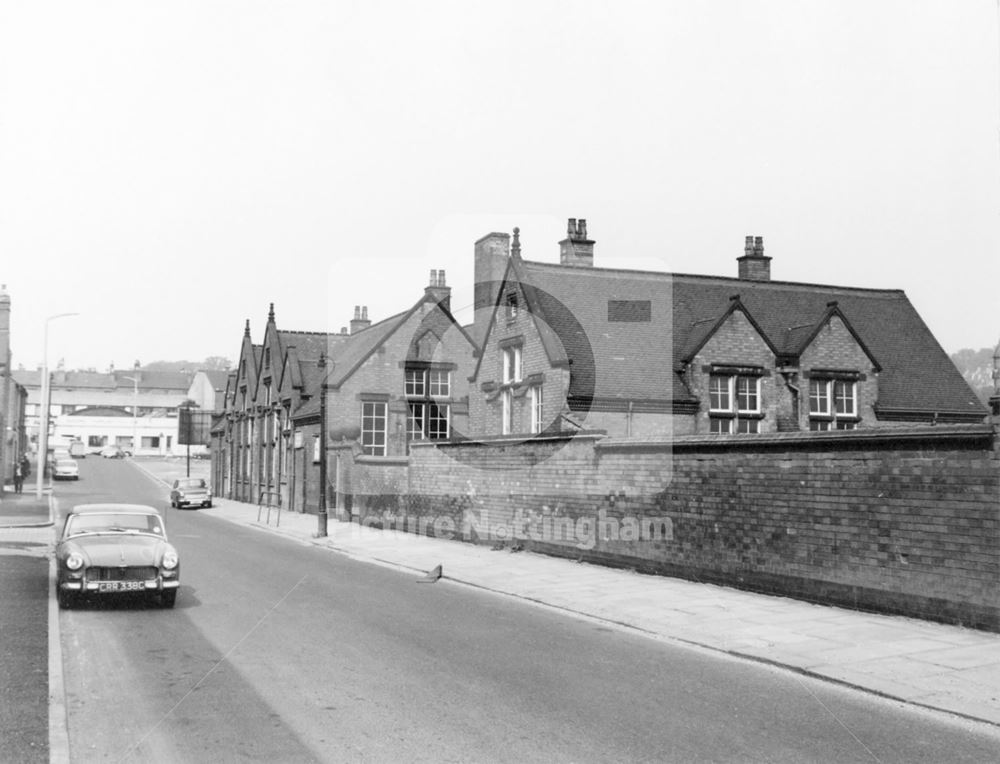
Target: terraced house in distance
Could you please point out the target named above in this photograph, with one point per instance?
(642, 354)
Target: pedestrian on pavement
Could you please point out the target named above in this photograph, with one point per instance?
(18, 478)
(25, 466)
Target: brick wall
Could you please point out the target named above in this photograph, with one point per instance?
(903, 521)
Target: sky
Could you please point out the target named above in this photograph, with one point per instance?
(170, 169)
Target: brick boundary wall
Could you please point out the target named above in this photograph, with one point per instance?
(902, 521)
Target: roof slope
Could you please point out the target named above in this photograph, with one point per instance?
(630, 358)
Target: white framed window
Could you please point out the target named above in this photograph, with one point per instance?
(439, 383)
(833, 404)
(734, 403)
(428, 421)
(748, 395)
(536, 401)
(720, 425)
(512, 364)
(506, 411)
(423, 383)
(415, 385)
(845, 396)
(373, 427)
(819, 397)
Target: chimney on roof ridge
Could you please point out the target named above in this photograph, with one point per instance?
(438, 291)
(491, 254)
(576, 248)
(360, 320)
(754, 265)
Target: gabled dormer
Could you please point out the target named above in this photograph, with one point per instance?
(729, 363)
(838, 375)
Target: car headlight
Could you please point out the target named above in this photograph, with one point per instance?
(74, 561)
(170, 560)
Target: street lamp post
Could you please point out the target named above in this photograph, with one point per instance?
(135, 413)
(43, 429)
(321, 518)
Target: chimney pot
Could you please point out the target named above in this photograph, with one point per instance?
(576, 248)
(357, 312)
(364, 312)
(441, 281)
(753, 265)
(434, 278)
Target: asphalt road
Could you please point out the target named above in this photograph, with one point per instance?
(283, 652)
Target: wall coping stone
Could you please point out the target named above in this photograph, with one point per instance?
(509, 440)
(880, 436)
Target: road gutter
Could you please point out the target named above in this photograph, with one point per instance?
(58, 719)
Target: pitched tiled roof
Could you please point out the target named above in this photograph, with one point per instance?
(217, 377)
(350, 351)
(633, 359)
(178, 381)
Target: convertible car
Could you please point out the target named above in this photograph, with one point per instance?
(113, 549)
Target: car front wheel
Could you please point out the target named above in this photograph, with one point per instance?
(65, 599)
(168, 598)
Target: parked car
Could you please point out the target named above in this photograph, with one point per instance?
(65, 469)
(115, 549)
(112, 452)
(77, 450)
(189, 492)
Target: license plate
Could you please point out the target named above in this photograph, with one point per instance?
(120, 586)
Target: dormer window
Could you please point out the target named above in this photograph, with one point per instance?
(833, 404)
(734, 403)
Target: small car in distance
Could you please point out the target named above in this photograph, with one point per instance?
(190, 492)
(112, 452)
(77, 450)
(65, 469)
(113, 549)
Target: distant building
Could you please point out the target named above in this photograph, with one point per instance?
(13, 396)
(135, 409)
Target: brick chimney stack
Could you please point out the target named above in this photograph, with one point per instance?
(438, 290)
(576, 248)
(360, 320)
(754, 266)
(492, 252)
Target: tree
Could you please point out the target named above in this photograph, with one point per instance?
(217, 362)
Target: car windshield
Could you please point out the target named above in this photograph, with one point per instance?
(113, 523)
(191, 483)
